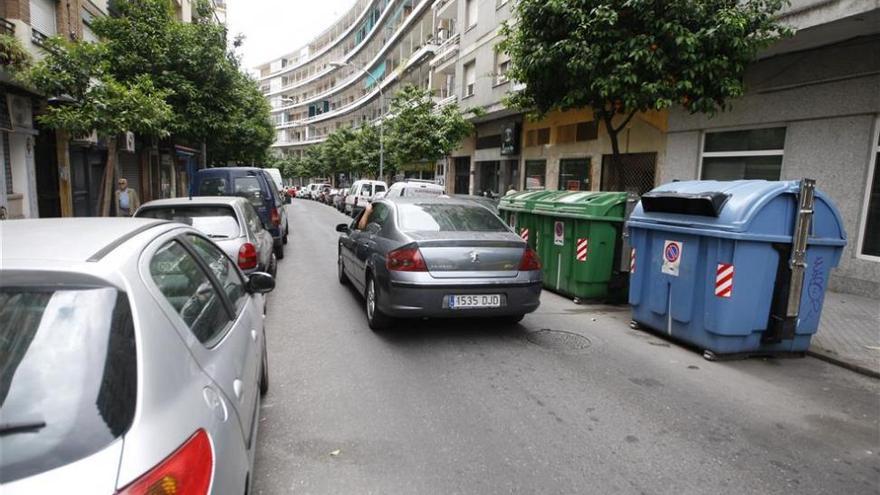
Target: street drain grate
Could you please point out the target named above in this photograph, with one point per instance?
(559, 341)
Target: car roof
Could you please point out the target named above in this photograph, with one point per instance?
(417, 185)
(219, 170)
(72, 239)
(428, 200)
(196, 201)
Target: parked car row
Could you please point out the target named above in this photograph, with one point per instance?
(154, 329)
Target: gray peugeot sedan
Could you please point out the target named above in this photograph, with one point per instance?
(133, 359)
(231, 222)
(438, 258)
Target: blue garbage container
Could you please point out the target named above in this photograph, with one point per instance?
(721, 265)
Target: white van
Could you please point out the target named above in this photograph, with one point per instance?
(276, 177)
(363, 192)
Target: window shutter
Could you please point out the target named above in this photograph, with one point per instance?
(43, 16)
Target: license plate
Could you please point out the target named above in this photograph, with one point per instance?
(475, 301)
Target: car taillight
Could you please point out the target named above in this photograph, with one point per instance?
(188, 471)
(275, 217)
(408, 259)
(530, 261)
(247, 256)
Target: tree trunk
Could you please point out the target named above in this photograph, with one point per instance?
(109, 173)
(616, 164)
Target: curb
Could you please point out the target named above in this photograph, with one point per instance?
(844, 364)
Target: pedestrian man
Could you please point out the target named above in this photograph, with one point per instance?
(127, 201)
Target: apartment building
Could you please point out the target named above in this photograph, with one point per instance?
(347, 75)
(812, 110)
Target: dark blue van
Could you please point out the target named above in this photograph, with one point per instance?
(254, 184)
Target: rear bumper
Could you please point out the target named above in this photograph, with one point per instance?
(412, 300)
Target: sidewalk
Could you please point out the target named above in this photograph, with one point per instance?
(849, 334)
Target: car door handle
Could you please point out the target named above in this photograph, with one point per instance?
(237, 386)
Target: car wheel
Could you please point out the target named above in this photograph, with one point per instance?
(286, 231)
(273, 265)
(340, 269)
(375, 318)
(512, 320)
(264, 372)
(279, 252)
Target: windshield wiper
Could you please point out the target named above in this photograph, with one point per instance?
(21, 427)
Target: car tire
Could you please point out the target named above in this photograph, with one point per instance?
(264, 372)
(286, 232)
(273, 265)
(279, 252)
(375, 318)
(343, 278)
(512, 320)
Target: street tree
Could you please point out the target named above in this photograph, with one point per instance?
(621, 57)
(80, 73)
(213, 101)
(419, 131)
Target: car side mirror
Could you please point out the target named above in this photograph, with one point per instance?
(260, 283)
(342, 228)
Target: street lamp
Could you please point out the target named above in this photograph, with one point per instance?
(381, 110)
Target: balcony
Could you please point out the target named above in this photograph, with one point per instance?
(446, 51)
(7, 27)
(445, 9)
(445, 102)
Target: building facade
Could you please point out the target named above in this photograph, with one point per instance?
(812, 110)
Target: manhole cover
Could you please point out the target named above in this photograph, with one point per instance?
(559, 341)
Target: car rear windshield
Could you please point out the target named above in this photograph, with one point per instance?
(249, 187)
(217, 222)
(421, 191)
(441, 217)
(212, 186)
(68, 375)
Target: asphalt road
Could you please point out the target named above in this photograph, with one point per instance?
(588, 407)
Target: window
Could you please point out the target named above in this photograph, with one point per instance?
(252, 219)
(189, 291)
(380, 215)
(69, 361)
(433, 217)
(488, 142)
(748, 154)
(536, 175)
(538, 137)
(217, 222)
(566, 134)
(212, 186)
(502, 65)
(871, 232)
(43, 16)
(226, 273)
(470, 13)
(470, 79)
(587, 131)
(574, 175)
(249, 188)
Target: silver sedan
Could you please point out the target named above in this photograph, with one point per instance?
(427, 257)
(134, 359)
(231, 222)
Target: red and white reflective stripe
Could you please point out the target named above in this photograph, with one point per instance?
(524, 233)
(632, 261)
(581, 252)
(724, 280)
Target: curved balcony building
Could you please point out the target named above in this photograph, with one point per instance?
(336, 79)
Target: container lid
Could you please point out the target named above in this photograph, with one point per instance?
(758, 209)
(591, 205)
(521, 201)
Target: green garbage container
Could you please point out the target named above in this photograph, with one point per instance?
(579, 241)
(516, 210)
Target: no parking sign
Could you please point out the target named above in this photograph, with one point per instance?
(559, 233)
(671, 257)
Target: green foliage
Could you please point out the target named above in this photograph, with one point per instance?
(99, 101)
(626, 56)
(13, 55)
(213, 101)
(418, 131)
